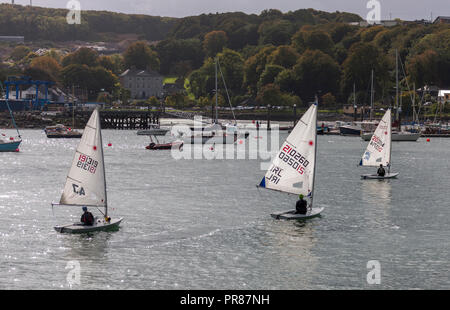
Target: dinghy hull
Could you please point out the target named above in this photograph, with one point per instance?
(100, 225)
(10, 146)
(377, 177)
(291, 215)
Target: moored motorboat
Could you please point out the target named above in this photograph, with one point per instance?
(396, 136)
(61, 132)
(165, 146)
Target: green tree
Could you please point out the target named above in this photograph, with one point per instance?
(287, 81)
(317, 73)
(141, 56)
(269, 95)
(362, 59)
(276, 32)
(307, 38)
(83, 56)
(20, 52)
(423, 68)
(285, 56)
(254, 67)
(48, 65)
(329, 101)
(214, 42)
(269, 75)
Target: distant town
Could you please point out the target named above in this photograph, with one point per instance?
(277, 61)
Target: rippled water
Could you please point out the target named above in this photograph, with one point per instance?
(199, 224)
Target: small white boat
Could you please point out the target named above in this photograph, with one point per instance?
(379, 149)
(86, 181)
(154, 130)
(293, 169)
(99, 225)
(377, 177)
(396, 136)
(291, 215)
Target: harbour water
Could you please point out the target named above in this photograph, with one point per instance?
(202, 224)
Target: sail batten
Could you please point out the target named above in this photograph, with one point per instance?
(292, 170)
(378, 151)
(85, 184)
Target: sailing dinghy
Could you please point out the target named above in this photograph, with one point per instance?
(293, 169)
(86, 181)
(378, 151)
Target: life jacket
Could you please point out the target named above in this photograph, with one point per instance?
(87, 218)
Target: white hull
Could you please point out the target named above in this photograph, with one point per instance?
(99, 225)
(291, 215)
(377, 177)
(218, 139)
(153, 132)
(404, 136)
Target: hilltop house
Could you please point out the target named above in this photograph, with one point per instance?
(444, 96)
(142, 84)
(442, 20)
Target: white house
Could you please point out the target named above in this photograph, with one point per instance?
(142, 84)
(444, 96)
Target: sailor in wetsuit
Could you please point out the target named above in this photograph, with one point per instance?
(301, 206)
(87, 218)
(381, 172)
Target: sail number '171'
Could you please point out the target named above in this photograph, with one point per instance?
(87, 163)
(293, 159)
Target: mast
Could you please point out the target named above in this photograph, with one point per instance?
(73, 107)
(371, 99)
(10, 111)
(355, 107)
(390, 142)
(396, 87)
(103, 159)
(217, 117)
(414, 102)
(315, 150)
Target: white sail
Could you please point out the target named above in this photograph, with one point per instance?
(292, 170)
(85, 185)
(378, 151)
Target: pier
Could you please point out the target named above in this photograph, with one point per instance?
(123, 120)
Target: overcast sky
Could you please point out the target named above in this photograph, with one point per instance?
(404, 9)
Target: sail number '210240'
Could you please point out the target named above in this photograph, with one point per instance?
(87, 163)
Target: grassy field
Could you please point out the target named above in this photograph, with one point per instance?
(169, 80)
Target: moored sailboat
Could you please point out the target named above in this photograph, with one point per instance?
(11, 145)
(86, 181)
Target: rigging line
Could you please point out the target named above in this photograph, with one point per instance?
(407, 84)
(226, 89)
(10, 112)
